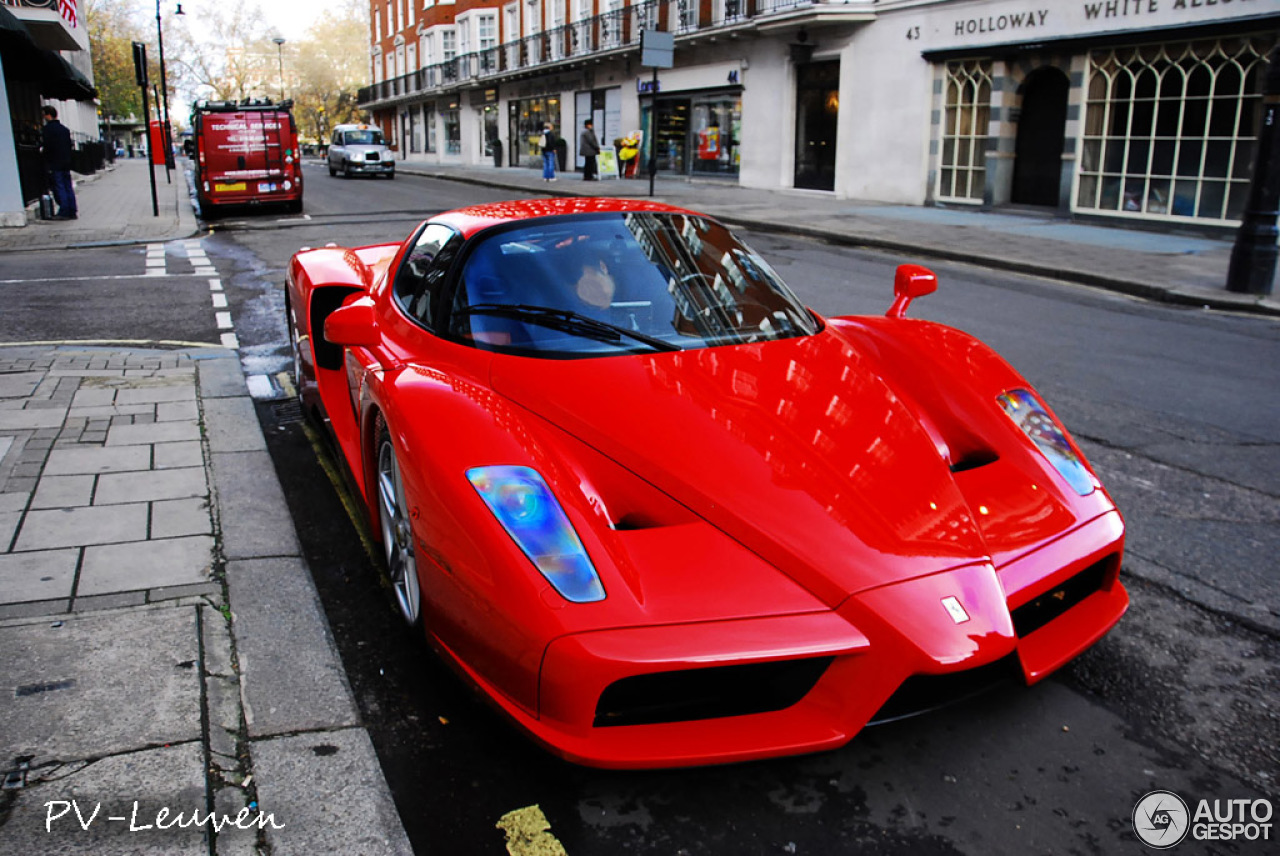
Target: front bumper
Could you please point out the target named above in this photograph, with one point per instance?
(832, 671)
(369, 167)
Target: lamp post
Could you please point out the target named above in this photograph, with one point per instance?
(166, 132)
(279, 40)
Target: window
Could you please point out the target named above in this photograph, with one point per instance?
(966, 116)
(464, 36)
(377, 25)
(599, 285)
(448, 44)
(429, 125)
(452, 130)
(422, 273)
(1170, 131)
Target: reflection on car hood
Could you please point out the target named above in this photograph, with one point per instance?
(798, 449)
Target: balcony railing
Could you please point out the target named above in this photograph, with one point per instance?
(613, 30)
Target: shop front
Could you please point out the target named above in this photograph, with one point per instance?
(696, 128)
(1091, 116)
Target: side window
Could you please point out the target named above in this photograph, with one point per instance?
(422, 273)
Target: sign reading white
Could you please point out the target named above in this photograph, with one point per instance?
(1005, 21)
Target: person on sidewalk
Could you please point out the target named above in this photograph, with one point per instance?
(548, 144)
(57, 160)
(588, 147)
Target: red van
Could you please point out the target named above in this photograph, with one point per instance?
(246, 154)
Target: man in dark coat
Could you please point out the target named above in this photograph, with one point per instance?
(588, 147)
(57, 159)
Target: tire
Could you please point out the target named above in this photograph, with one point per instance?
(346, 170)
(332, 171)
(294, 207)
(397, 531)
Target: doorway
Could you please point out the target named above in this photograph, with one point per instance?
(817, 115)
(1037, 167)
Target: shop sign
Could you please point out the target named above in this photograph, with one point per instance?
(1013, 21)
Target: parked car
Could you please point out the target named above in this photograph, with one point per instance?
(360, 150)
(661, 514)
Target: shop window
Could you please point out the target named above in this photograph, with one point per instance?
(452, 130)
(429, 126)
(962, 172)
(1170, 131)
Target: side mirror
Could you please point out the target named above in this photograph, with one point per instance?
(910, 282)
(352, 324)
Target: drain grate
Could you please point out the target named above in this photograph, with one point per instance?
(287, 412)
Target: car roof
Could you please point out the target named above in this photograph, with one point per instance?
(476, 218)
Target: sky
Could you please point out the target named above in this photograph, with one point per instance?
(291, 18)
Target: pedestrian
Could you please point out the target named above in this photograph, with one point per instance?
(548, 144)
(588, 147)
(57, 160)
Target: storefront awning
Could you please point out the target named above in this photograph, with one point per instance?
(24, 60)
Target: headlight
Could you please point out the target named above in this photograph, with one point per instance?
(1029, 414)
(525, 507)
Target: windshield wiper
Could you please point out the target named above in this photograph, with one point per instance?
(568, 321)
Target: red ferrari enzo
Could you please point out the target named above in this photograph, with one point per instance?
(660, 513)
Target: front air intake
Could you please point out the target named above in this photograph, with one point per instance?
(1042, 609)
(709, 693)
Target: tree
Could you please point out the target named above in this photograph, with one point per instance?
(225, 53)
(113, 26)
(329, 66)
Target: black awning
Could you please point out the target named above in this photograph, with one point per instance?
(50, 71)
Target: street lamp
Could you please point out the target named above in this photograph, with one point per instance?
(279, 40)
(166, 133)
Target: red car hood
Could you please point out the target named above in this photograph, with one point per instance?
(798, 449)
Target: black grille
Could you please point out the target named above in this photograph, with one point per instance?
(923, 693)
(372, 156)
(708, 693)
(1036, 613)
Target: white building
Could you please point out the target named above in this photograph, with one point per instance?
(1137, 109)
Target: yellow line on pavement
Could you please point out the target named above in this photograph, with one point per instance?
(529, 833)
(354, 513)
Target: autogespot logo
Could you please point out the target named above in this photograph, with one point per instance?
(1160, 819)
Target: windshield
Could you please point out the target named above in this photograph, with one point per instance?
(363, 138)
(678, 281)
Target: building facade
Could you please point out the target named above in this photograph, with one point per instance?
(44, 59)
(1127, 109)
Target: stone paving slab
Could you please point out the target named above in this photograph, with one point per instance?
(322, 786)
(43, 575)
(72, 688)
(150, 485)
(232, 425)
(292, 677)
(63, 492)
(97, 459)
(174, 518)
(170, 777)
(145, 565)
(78, 527)
(254, 517)
(158, 432)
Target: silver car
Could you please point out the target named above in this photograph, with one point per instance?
(360, 150)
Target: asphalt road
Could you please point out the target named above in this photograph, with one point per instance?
(1177, 409)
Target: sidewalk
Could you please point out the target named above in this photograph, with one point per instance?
(162, 647)
(115, 207)
(1169, 267)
